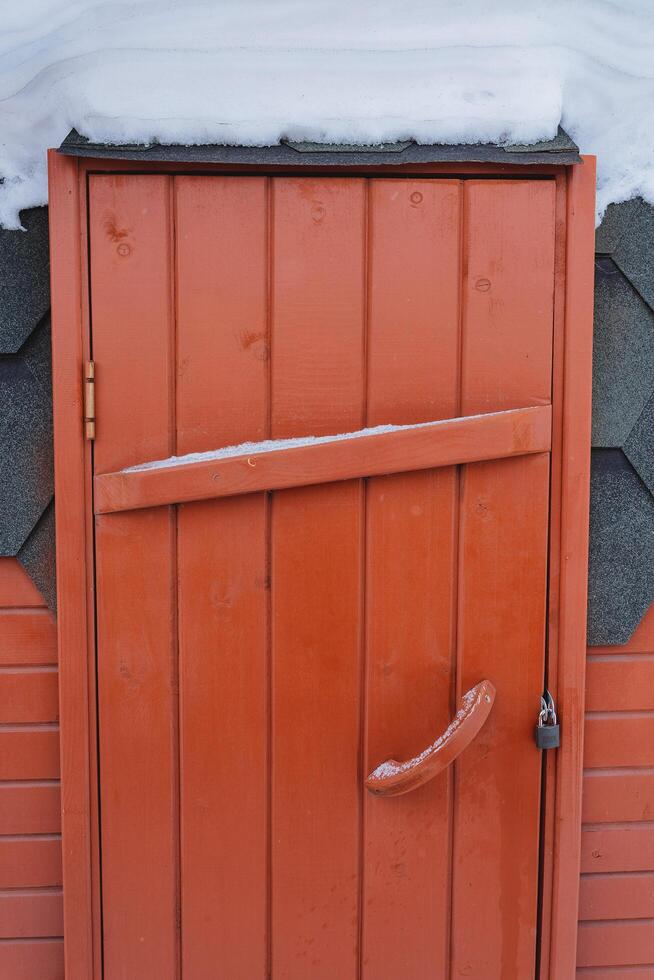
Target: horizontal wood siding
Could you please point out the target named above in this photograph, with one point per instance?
(616, 903)
(31, 914)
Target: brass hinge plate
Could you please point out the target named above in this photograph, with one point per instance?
(89, 399)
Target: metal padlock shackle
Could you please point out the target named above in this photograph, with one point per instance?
(548, 731)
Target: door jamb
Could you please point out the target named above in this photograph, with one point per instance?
(73, 504)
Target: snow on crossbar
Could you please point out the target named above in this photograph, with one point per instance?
(277, 465)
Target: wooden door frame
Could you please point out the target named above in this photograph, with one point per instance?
(573, 326)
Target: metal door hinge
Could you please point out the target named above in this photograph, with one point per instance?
(89, 399)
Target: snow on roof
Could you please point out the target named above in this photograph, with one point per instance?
(252, 72)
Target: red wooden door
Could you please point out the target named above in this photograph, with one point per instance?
(260, 652)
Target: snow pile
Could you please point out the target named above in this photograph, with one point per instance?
(253, 71)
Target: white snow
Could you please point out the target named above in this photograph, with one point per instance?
(253, 71)
(270, 445)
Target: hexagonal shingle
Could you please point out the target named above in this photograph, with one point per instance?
(633, 247)
(621, 557)
(24, 282)
(26, 456)
(639, 447)
(623, 356)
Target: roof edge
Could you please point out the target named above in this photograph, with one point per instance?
(560, 150)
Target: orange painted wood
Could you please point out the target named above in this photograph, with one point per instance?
(317, 388)
(324, 378)
(463, 440)
(318, 256)
(30, 808)
(224, 755)
(616, 896)
(502, 553)
(616, 943)
(222, 342)
(393, 777)
(508, 282)
(614, 796)
(25, 913)
(16, 587)
(27, 636)
(623, 682)
(30, 862)
(137, 662)
(222, 396)
(29, 753)
(414, 279)
(571, 583)
(29, 695)
(33, 959)
(70, 347)
(503, 534)
(617, 849)
(616, 973)
(625, 739)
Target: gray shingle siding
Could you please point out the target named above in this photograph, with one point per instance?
(621, 566)
(26, 477)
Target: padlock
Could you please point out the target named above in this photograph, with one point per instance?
(548, 730)
(548, 736)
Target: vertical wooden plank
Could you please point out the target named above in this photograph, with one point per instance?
(223, 589)
(411, 522)
(575, 484)
(317, 339)
(72, 507)
(506, 360)
(316, 538)
(503, 540)
(130, 234)
(508, 294)
(222, 342)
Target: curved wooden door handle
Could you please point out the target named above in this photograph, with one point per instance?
(393, 778)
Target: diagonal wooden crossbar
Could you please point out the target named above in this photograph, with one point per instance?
(302, 462)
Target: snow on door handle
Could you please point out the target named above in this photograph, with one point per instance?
(393, 778)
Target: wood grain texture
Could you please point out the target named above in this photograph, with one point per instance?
(29, 753)
(67, 218)
(616, 896)
(572, 549)
(620, 944)
(37, 959)
(619, 849)
(410, 536)
(306, 340)
(615, 796)
(622, 682)
(131, 253)
(625, 739)
(30, 808)
(29, 695)
(26, 913)
(222, 396)
(317, 378)
(27, 636)
(30, 862)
